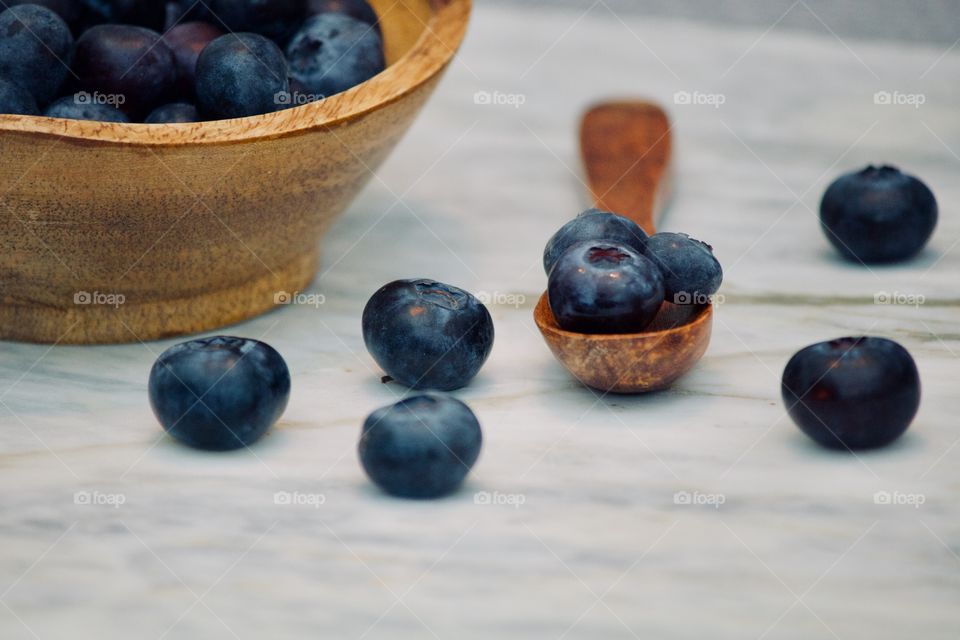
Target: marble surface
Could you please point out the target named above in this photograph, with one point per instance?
(575, 522)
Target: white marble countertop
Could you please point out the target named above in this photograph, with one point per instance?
(594, 544)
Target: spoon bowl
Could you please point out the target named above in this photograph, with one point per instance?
(627, 151)
(631, 362)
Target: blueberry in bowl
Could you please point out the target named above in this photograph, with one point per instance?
(128, 65)
(219, 393)
(421, 447)
(590, 226)
(80, 107)
(275, 19)
(852, 393)
(426, 334)
(14, 99)
(174, 113)
(604, 287)
(35, 50)
(239, 75)
(691, 273)
(878, 214)
(333, 52)
(273, 182)
(356, 9)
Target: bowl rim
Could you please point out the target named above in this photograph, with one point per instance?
(543, 311)
(433, 50)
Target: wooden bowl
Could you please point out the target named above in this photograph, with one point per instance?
(122, 232)
(631, 362)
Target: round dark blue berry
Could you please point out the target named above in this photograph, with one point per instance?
(594, 225)
(174, 113)
(130, 66)
(78, 107)
(15, 100)
(878, 214)
(240, 75)
(356, 9)
(187, 41)
(691, 273)
(426, 334)
(852, 393)
(604, 287)
(420, 447)
(145, 13)
(35, 49)
(275, 19)
(219, 393)
(333, 52)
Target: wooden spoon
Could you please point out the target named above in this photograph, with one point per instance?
(627, 150)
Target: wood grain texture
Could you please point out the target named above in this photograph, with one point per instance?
(197, 225)
(627, 152)
(631, 362)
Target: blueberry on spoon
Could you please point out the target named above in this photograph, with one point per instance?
(691, 273)
(593, 225)
(604, 287)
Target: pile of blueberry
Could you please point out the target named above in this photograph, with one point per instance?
(224, 393)
(607, 276)
(106, 60)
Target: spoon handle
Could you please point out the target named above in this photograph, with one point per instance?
(627, 151)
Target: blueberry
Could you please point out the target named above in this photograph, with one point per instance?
(72, 108)
(130, 65)
(35, 45)
(427, 335)
(177, 112)
(691, 273)
(240, 75)
(333, 52)
(146, 13)
(275, 19)
(604, 287)
(420, 447)
(186, 42)
(69, 10)
(878, 215)
(16, 100)
(219, 393)
(356, 9)
(852, 393)
(593, 225)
